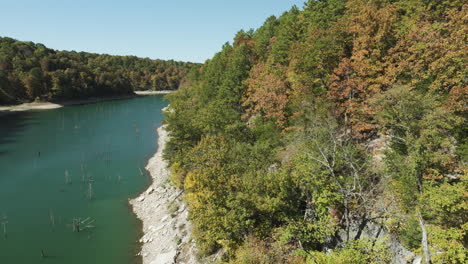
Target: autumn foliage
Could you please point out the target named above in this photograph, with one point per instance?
(266, 94)
(323, 120)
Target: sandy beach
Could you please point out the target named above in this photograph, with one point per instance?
(153, 92)
(166, 231)
(29, 106)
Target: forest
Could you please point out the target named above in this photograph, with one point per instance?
(329, 118)
(31, 71)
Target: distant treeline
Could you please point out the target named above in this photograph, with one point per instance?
(30, 71)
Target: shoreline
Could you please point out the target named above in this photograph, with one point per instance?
(59, 104)
(154, 92)
(163, 214)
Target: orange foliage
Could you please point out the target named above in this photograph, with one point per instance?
(266, 95)
(243, 38)
(435, 53)
(362, 76)
(457, 99)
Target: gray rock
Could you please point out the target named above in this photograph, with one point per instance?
(373, 231)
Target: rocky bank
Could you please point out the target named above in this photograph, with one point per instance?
(166, 231)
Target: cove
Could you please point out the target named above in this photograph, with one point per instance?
(59, 167)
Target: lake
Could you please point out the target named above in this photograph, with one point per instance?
(73, 169)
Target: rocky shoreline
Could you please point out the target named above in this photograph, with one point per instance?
(166, 231)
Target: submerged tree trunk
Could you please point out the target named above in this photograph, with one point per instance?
(424, 242)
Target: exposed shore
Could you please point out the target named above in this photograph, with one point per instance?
(149, 92)
(166, 231)
(54, 105)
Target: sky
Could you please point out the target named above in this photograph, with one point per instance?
(184, 30)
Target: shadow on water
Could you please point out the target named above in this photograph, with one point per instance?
(11, 124)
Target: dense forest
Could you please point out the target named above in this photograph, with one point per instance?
(327, 119)
(30, 71)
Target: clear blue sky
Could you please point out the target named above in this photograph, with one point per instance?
(188, 30)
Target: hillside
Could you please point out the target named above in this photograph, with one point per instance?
(323, 123)
(30, 71)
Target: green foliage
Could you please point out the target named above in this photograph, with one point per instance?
(288, 31)
(256, 251)
(323, 14)
(446, 204)
(212, 195)
(355, 252)
(424, 169)
(449, 244)
(421, 142)
(342, 112)
(263, 36)
(409, 233)
(30, 70)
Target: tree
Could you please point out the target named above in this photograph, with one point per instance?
(263, 37)
(49, 74)
(360, 77)
(211, 186)
(288, 31)
(267, 94)
(334, 173)
(341, 114)
(33, 83)
(421, 156)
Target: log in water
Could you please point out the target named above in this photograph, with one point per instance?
(73, 169)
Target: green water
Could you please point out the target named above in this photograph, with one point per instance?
(106, 145)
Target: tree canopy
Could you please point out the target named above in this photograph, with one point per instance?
(30, 71)
(329, 116)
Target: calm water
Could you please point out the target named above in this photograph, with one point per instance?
(52, 162)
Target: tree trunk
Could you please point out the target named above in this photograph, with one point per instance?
(425, 245)
(347, 218)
